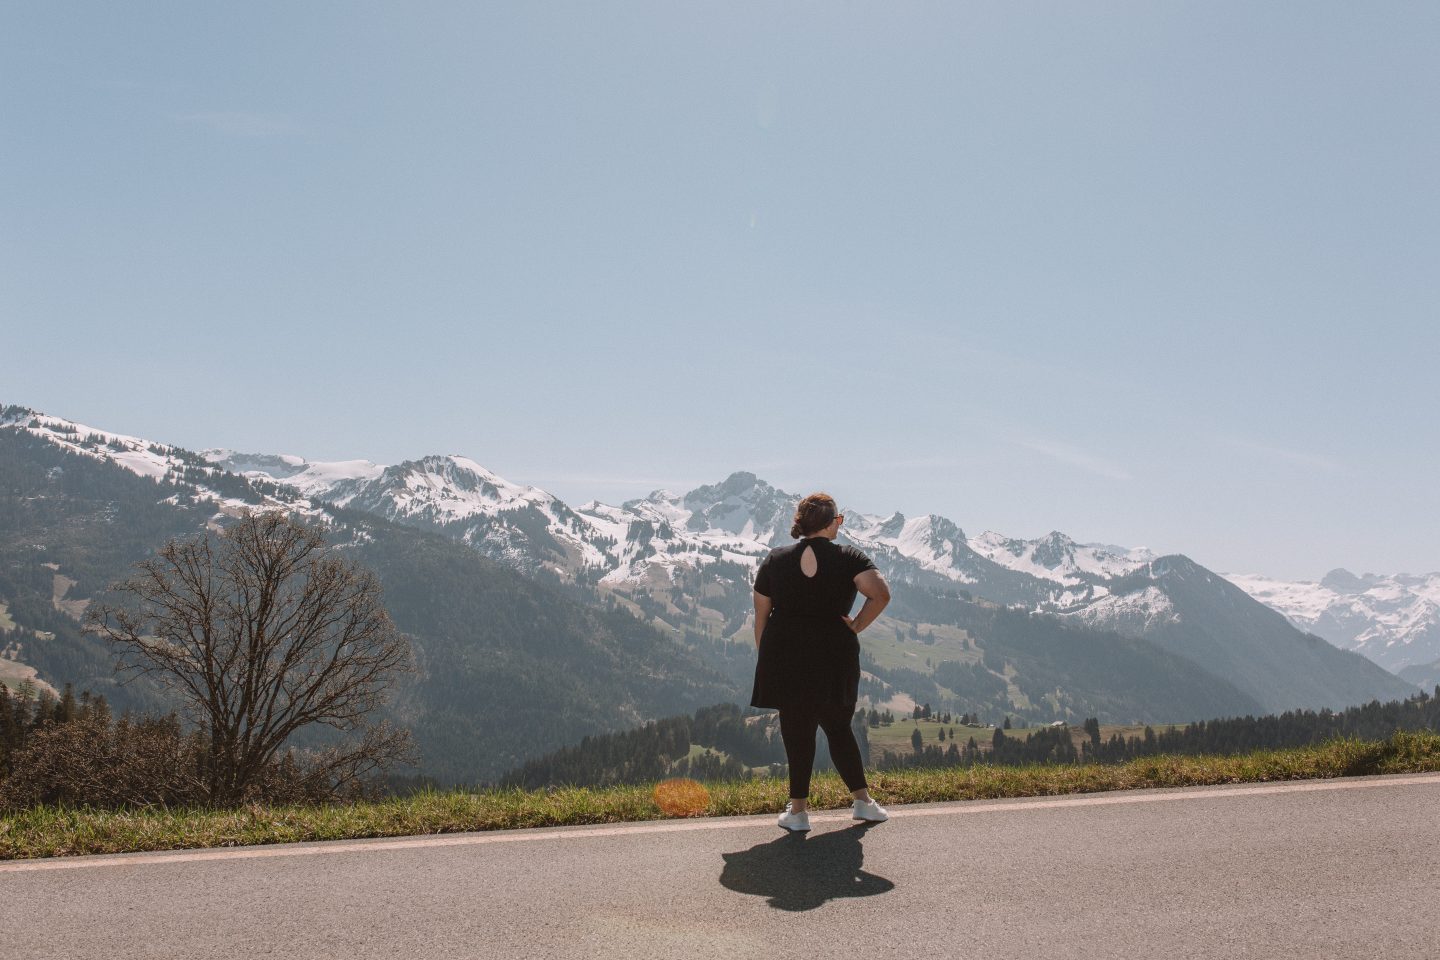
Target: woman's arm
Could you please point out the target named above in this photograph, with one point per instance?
(762, 613)
(877, 595)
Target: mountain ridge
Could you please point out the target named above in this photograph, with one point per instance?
(682, 562)
(1393, 619)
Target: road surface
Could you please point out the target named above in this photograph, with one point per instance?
(1324, 869)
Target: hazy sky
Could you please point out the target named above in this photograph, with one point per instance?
(1148, 273)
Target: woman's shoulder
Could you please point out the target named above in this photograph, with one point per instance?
(858, 559)
(780, 551)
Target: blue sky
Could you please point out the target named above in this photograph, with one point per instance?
(1148, 273)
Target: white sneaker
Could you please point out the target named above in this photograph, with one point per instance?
(797, 822)
(869, 810)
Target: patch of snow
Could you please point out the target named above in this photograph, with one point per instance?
(1142, 609)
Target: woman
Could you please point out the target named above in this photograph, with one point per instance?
(808, 665)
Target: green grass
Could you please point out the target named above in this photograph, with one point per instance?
(697, 750)
(68, 831)
(885, 644)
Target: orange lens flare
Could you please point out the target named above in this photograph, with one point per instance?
(681, 797)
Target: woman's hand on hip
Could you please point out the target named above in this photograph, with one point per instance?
(849, 622)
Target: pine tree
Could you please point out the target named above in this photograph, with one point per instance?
(7, 728)
(66, 710)
(44, 709)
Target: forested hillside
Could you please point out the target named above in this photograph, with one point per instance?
(749, 745)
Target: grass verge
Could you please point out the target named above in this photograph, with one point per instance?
(69, 831)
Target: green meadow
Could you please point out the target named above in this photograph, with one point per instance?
(68, 831)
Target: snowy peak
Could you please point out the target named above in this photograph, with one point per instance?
(444, 488)
(649, 539)
(319, 479)
(1392, 619)
(156, 461)
(891, 527)
(1341, 580)
(742, 505)
(267, 465)
(660, 505)
(932, 542)
(1058, 558)
(139, 456)
(1054, 550)
(453, 488)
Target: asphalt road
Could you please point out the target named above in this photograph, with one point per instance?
(1328, 869)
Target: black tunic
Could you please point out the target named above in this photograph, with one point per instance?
(808, 655)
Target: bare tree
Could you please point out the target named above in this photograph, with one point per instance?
(263, 630)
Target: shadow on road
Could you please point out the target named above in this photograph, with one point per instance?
(800, 872)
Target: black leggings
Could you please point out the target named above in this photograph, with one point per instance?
(797, 729)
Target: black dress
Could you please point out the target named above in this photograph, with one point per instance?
(808, 655)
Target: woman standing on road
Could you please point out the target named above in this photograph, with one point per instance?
(808, 665)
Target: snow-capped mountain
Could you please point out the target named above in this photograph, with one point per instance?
(1056, 557)
(307, 477)
(691, 556)
(146, 458)
(521, 525)
(651, 542)
(1394, 620)
(648, 539)
(685, 561)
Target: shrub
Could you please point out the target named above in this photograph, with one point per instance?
(133, 762)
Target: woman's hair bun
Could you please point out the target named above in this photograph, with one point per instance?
(813, 513)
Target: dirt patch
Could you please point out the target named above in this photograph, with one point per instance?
(13, 673)
(901, 704)
(60, 586)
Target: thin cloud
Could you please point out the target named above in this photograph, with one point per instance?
(1075, 457)
(1299, 458)
(908, 463)
(243, 123)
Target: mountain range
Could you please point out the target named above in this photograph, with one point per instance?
(652, 543)
(1392, 619)
(540, 622)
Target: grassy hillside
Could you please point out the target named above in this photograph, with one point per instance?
(49, 831)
